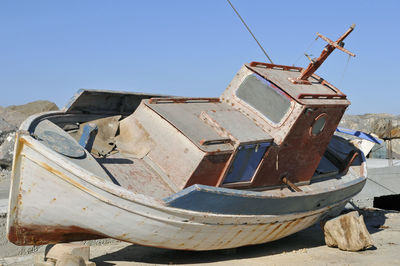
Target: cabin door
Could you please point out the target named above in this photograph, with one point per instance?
(246, 162)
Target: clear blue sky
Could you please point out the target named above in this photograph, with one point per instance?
(50, 49)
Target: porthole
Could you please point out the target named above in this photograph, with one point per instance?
(318, 125)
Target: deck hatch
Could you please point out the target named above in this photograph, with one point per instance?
(246, 162)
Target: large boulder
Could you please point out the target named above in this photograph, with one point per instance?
(11, 118)
(5, 129)
(6, 151)
(347, 232)
(7, 136)
(16, 114)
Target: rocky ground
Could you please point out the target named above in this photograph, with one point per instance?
(11, 118)
(305, 247)
(4, 175)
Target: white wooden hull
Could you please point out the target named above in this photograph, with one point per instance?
(53, 200)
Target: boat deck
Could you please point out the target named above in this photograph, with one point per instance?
(135, 175)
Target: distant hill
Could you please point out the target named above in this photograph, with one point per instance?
(386, 126)
(11, 118)
(16, 114)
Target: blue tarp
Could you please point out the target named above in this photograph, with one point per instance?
(359, 134)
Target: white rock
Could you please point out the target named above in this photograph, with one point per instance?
(6, 151)
(347, 232)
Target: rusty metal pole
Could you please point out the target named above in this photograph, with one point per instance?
(389, 148)
(287, 182)
(313, 66)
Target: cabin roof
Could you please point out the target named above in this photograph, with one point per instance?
(106, 102)
(319, 92)
(209, 124)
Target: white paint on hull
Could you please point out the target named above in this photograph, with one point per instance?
(49, 191)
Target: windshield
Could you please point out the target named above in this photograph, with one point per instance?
(264, 97)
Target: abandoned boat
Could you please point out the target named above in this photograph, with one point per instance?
(254, 165)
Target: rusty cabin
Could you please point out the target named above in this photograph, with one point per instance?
(263, 128)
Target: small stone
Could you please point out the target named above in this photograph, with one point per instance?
(4, 174)
(347, 232)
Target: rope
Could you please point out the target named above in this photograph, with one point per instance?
(244, 23)
(344, 70)
(382, 185)
(309, 46)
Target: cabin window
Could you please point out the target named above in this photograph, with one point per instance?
(246, 162)
(265, 97)
(318, 125)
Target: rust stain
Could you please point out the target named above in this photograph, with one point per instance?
(274, 230)
(195, 246)
(267, 65)
(19, 199)
(219, 241)
(34, 234)
(287, 226)
(208, 171)
(233, 237)
(182, 100)
(53, 200)
(264, 230)
(19, 147)
(283, 230)
(299, 154)
(237, 234)
(26, 142)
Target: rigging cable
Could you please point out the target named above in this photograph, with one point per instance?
(244, 23)
(309, 46)
(344, 70)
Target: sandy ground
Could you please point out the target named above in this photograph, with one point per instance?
(304, 248)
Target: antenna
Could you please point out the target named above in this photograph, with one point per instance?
(244, 23)
(315, 64)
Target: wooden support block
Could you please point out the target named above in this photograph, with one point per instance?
(66, 254)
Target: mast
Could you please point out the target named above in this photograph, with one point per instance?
(316, 63)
